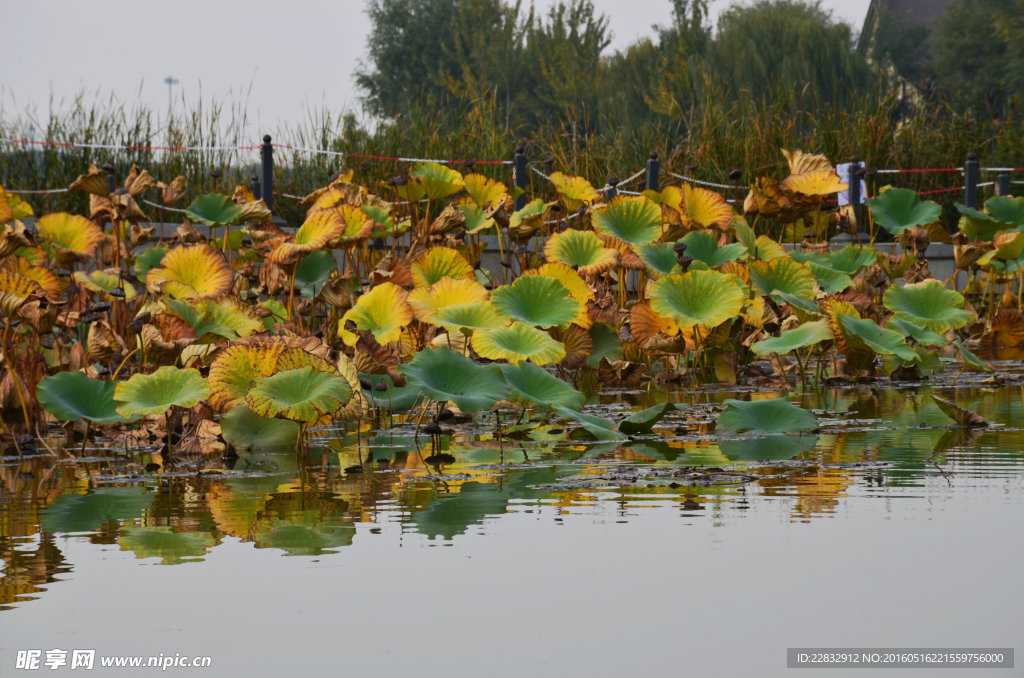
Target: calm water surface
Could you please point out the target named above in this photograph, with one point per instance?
(675, 554)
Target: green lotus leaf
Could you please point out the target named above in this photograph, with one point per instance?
(972, 361)
(303, 395)
(852, 259)
(314, 269)
(526, 221)
(632, 219)
(70, 513)
(777, 446)
(147, 259)
(644, 420)
(704, 298)
(479, 315)
(798, 304)
(517, 343)
(158, 392)
(392, 398)
(776, 415)
(1008, 255)
(212, 319)
(804, 257)
(599, 427)
(659, 259)
(912, 330)
(702, 246)
(71, 396)
(444, 375)
(476, 219)
(103, 282)
(582, 250)
(213, 209)
(607, 345)
(169, 544)
(535, 385)
(784, 275)
(246, 430)
(276, 313)
(536, 300)
(437, 180)
(1007, 209)
(929, 304)
(808, 334)
(829, 279)
(899, 209)
(878, 339)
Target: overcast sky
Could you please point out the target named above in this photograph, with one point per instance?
(280, 57)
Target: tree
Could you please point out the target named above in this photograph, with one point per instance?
(902, 42)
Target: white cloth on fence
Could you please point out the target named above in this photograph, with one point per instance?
(843, 170)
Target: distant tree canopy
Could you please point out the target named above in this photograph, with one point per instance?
(451, 56)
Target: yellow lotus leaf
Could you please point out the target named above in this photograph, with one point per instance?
(644, 323)
(632, 218)
(103, 281)
(14, 291)
(383, 311)
(516, 343)
(94, 181)
(189, 272)
(6, 212)
(819, 183)
(70, 232)
(234, 370)
(13, 207)
(526, 221)
(242, 195)
(437, 180)
(577, 287)
(580, 249)
(358, 405)
(766, 198)
(358, 225)
(316, 231)
(40, 275)
(671, 200)
(801, 163)
(574, 191)
(445, 292)
(438, 262)
(705, 208)
(485, 192)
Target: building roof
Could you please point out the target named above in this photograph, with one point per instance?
(923, 11)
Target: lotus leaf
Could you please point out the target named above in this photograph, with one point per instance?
(485, 192)
(437, 180)
(632, 219)
(169, 544)
(929, 304)
(829, 279)
(659, 259)
(156, 393)
(704, 209)
(526, 221)
(815, 183)
(573, 282)
(517, 343)
(438, 262)
(808, 334)
(766, 448)
(537, 386)
(479, 315)
(605, 345)
(70, 513)
(644, 420)
(71, 396)
(899, 209)
(44, 277)
(852, 259)
(104, 281)
(1007, 257)
(444, 375)
(1005, 208)
(599, 427)
(476, 220)
(212, 318)
(213, 209)
(383, 311)
(878, 339)
(188, 272)
(303, 394)
(580, 249)
(147, 259)
(14, 291)
(912, 330)
(702, 246)
(694, 298)
(234, 370)
(972, 361)
(393, 398)
(537, 300)
(575, 192)
(783, 275)
(314, 269)
(445, 292)
(70, 232)
(776, 415)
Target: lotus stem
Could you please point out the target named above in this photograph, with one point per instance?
(14, 378)
(118, 370)
(291, 294)
(419, 420)
(88, 427)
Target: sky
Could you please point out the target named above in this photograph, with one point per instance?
(280, 59)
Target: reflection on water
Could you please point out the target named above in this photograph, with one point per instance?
(891, 444)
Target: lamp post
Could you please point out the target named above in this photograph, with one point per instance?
(171, 82)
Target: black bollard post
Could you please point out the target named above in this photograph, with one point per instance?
(971, 180)
(652, 171)
(1003, 184)
(267, 172)
(519, 169)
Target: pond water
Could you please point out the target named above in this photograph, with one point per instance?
(539, 554)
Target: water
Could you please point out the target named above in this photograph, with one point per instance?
(675, 553)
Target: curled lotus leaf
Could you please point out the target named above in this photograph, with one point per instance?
(476, 219)
(438, 262)
(660, 259)
(1008, 256)
(71, 396)
(702, 246)
(316, 231)
(801, 163)
(42, 276)
(575, 192)
(537, 300)
(156, 393)
(94, 181)
(12, 207)
(809, 334)
(582, 250)
(479, 315)
(645, 324)
(631, 218)
(912, 330)
(1005, 208)
(878, 339)
(526, 221)
(213, 319)
(485, 192)
(383, 311)
(704, 208)
(302, 394)
(70, 232)
(213, 209)
(438, 181)
(444, 375)
(104, 282)
(783, 275)
(358, 224)
(829, 279)
(516, 343)
(14, 291)
(764, 417)
(534, 385)
(929, 304)
(234, 370)
(190, 272)
(695, 298)
(899, 209)
(852, 259)
(445, 292)
(818, 183)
